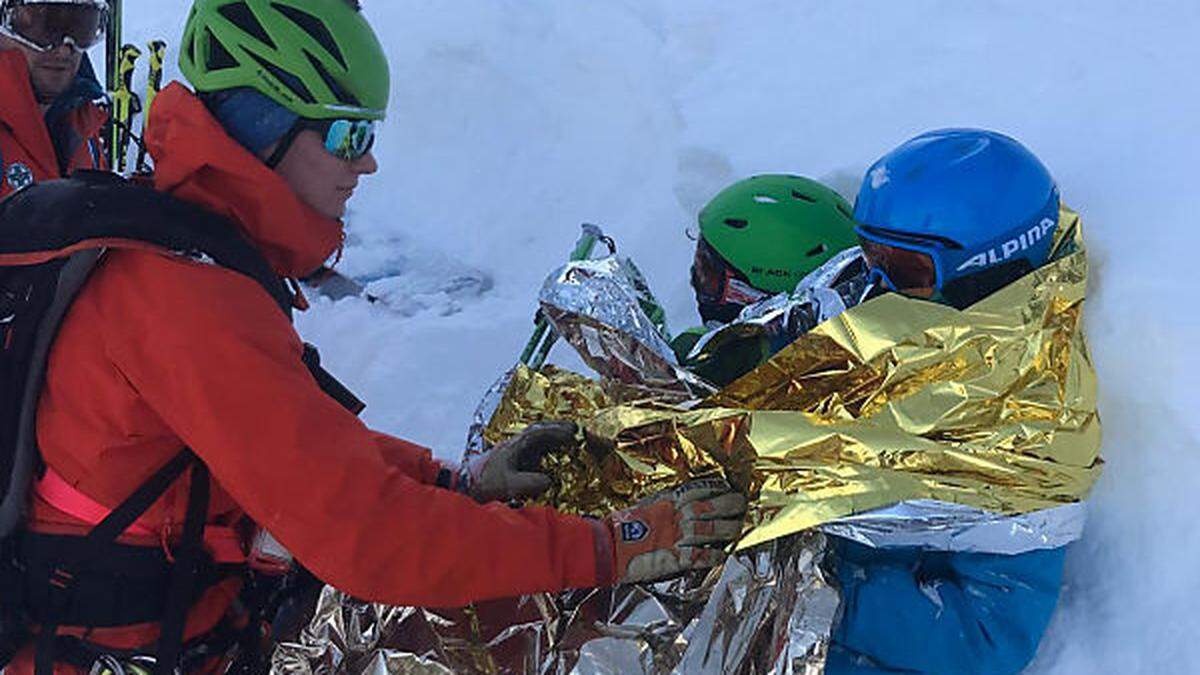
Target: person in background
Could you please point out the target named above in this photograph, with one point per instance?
(50, 124)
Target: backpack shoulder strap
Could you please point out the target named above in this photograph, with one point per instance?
(71, 277)
(94, 209)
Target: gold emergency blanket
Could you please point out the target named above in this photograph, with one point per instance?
(895, 400)
(992, 407)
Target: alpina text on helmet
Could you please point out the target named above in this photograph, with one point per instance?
(1006, 250)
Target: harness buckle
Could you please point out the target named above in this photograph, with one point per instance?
(61, 584)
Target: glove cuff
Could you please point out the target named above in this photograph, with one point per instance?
(452, 478)
(606, 553)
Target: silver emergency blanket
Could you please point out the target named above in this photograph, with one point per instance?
(825, 293)
(942, 526)
(599, 307)
(476, 443)
(770, 609)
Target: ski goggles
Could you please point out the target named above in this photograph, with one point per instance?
(44, 26)
(911, 266)
(910, 270)
(716, 282)
(345, 139)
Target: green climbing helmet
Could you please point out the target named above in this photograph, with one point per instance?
(318, 58)
(776, 229)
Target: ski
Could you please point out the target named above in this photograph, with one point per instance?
(157, 53)
(112, 57)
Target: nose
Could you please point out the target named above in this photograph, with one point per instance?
(365, 165)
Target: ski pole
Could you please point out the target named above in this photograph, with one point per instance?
(650, 304)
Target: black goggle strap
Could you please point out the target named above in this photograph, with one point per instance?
(284, 145)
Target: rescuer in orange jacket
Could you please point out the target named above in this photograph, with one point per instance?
(49, 122)
(161, 351)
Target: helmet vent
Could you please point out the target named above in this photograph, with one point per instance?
(338, 90)
(240, 15)
(845, 211)
(765, 199)
(315, 28)
(290, 81)
(189, 48)
(819, 250)
(737, 223)
(803, 197)
(219, 58)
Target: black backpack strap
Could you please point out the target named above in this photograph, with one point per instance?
(104, 535)
(71, 278)
(330, 384)
(93, 208)
(184, 573)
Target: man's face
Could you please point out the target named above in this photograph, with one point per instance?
(320, 179)
(51, 72)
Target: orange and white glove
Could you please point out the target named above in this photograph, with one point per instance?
(686, 528)
(511, 469)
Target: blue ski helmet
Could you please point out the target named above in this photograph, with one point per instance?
(956, 214)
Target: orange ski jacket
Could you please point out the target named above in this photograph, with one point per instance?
(28, 149)
(159, 352)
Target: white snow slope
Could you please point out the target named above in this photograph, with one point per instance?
(514, 121)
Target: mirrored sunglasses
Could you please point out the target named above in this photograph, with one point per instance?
(345, 139)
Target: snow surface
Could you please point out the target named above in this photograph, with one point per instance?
(514, 121)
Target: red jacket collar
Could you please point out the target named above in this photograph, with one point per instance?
(195, 160)
(19, 111)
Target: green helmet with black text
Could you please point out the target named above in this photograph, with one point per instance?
(318, 58)
(777, 228)
(762, 236)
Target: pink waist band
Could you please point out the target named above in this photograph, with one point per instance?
(223, 543)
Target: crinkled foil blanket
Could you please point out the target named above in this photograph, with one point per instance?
(723, 621)
(894, 423)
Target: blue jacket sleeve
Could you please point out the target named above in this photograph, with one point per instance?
(931, 612)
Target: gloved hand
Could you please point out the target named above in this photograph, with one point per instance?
(511, 469)
(676, 530)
